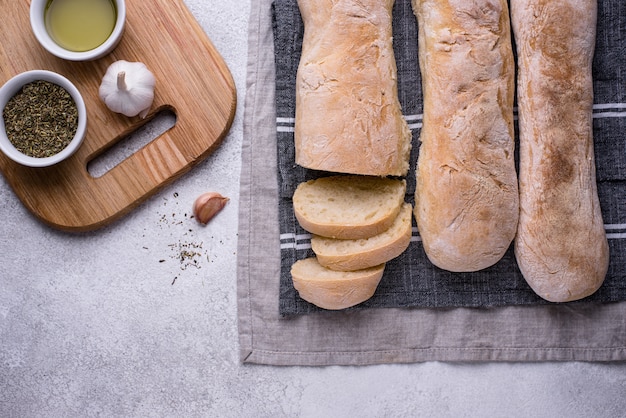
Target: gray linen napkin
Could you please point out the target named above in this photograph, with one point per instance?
(411, 280)
(546, 332)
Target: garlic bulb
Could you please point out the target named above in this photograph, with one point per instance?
(128, 88)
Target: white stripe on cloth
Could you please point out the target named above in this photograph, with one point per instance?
(285, 124)
(615, 227)
(291, 241)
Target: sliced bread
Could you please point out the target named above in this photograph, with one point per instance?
(330, 289)
(347, 255)
(348, 207)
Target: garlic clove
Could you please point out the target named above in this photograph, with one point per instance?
(207, 205)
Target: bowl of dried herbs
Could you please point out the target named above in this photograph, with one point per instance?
(44, 119)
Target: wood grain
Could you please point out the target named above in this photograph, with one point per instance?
(192, 80)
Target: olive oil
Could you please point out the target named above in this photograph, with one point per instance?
(80, 25)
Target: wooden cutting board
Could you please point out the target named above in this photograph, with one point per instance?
(193, 81)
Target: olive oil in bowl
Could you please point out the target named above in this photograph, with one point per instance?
(80, 25)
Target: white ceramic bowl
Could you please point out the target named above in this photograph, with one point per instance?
(13, 86)
(37, 22)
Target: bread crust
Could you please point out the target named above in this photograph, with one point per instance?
(561, 246)
(467, 199)
(348, 116)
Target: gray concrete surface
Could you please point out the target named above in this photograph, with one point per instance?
(116, 323)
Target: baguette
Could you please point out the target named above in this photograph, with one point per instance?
(349, 255)
(561, 246)
(348, 116)
(330, 289)
(466, 196)
(348, 206)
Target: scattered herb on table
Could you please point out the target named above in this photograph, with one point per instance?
(188, 253)
(41, 119)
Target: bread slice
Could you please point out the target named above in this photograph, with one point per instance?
(348, 207)
(348, 255)
(330, 289)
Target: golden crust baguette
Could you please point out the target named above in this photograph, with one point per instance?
(466, 196)
(561, 244)
(348, 116)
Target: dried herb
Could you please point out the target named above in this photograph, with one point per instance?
(188, 254)
(41, 119)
